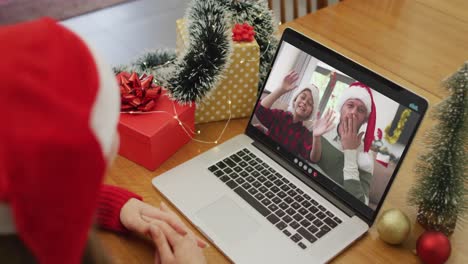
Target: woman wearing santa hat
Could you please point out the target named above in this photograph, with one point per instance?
(60, 106)
(289, 127)
(339, 152)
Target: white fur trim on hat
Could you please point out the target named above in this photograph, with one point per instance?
(315, 96)
(355, 92)
(105, 112)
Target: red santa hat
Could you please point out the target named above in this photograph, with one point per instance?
(363, 93)
(60, 106)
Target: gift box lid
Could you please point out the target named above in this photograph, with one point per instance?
(144, 126)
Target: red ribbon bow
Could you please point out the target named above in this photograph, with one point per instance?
(137, 93)
(243, 32)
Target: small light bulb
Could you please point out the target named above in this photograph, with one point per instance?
(175, 117)
(216, 142)
(229, 102)
(198, 132)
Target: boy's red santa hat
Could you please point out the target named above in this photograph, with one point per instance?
(60, 106)
(363, 93)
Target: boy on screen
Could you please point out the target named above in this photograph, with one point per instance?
(288, 127)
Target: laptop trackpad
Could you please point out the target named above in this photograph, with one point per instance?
(229, 222)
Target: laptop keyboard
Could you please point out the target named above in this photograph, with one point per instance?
(292, 211)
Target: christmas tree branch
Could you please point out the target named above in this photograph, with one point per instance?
(441, 192)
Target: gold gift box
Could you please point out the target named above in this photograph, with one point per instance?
(238, 86)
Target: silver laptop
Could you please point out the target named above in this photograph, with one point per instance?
(260, 197)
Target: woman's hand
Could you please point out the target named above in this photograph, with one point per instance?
(289, 82)
(323, 124)
(350, 139)
(137, 216)
(174, 248)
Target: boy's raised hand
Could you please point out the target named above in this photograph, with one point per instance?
(289, 82)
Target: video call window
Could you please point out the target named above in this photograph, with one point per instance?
(304, 95)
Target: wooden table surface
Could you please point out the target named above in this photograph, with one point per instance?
(415, 43)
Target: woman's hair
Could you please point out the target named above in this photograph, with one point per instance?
(14, 251)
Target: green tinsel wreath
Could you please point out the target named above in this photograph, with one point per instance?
(191, 76)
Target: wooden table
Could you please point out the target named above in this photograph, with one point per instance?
(415, 43)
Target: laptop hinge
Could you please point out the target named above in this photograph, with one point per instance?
(298, 173)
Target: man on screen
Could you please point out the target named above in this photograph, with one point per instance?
(339, 152)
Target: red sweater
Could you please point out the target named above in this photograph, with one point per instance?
(293, 136)
(111, 199)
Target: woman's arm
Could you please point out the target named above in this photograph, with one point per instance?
(121, 211)
(111, 199)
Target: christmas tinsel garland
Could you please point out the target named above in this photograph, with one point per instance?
(191, 76)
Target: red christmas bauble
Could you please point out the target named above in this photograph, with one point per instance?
(433, 247)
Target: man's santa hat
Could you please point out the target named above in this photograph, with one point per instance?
(60, 106)
(363, 93)
(315, 97)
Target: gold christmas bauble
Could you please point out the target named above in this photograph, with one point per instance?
(393, 226)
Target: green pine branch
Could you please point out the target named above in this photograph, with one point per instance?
(154, 59)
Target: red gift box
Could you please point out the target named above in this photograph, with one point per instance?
(151, 138)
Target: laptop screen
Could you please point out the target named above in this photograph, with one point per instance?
(342, 125)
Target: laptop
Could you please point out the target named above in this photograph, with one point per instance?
(260, 199)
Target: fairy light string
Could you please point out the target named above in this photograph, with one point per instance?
(185, 127)
(261, 55)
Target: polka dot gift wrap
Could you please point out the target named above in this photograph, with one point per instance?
(239, 85)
